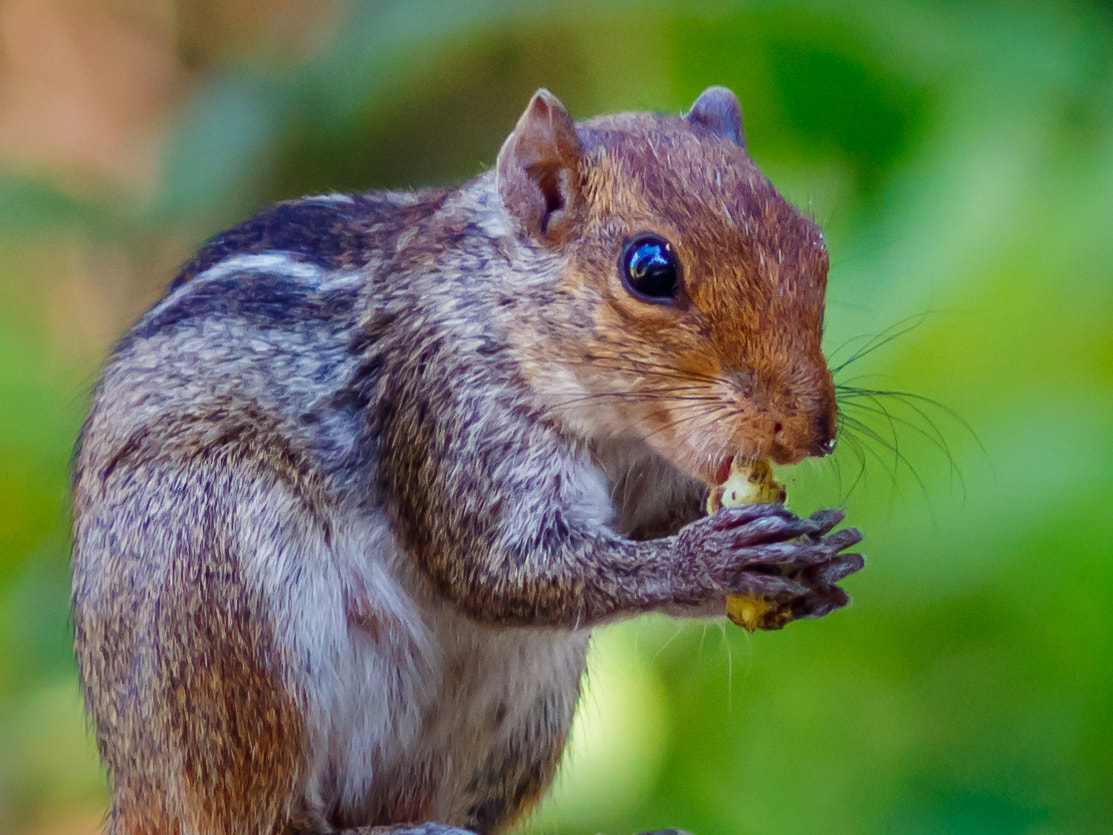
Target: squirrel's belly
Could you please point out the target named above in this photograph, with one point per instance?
(506, 703)
(492, 730)
(415, 711)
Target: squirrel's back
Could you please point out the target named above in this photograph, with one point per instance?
(260, 326)
(232, 546)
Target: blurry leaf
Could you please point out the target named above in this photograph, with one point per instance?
(33, 208)
(219, 148)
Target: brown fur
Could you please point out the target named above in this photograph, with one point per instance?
(227, 721)
(352, 495)
(746, 331)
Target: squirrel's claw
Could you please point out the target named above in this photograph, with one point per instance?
(766, 551)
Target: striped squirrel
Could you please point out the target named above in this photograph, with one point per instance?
(353, 494)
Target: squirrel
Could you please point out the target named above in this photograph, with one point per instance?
(353, 494)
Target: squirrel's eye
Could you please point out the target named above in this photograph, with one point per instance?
(650, 268)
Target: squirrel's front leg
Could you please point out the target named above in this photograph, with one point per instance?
(518, 532)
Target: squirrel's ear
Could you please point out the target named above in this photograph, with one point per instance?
(717, 108)
(538, 168)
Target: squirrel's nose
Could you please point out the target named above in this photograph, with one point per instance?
(796, 436)
(791, 444)
(824, 438)
(785, 426)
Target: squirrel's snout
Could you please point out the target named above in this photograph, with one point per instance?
(780, 423)
(824, 439)
(792, 442)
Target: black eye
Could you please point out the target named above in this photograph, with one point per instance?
(650, 268)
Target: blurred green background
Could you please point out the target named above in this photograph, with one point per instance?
(959, 156)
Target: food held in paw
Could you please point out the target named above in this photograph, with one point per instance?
(750, 483)
(748, 610)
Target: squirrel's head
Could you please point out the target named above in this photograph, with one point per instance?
(686, 306)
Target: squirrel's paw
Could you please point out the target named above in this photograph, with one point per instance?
(765, 550)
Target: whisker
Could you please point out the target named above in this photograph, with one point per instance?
(926, 426)
(879, 340)
(934, 436)
(854, 425)
(663, 369)
(629, 397)
(855, 447)
(704, 414)
(915, 402)
(894, 443)
(631, 362)
(875, 421)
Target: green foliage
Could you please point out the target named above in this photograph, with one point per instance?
(960, 157)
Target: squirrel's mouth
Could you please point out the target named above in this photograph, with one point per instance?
(710, 467)
(746, 482)
(717, 473)
(722, 472)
